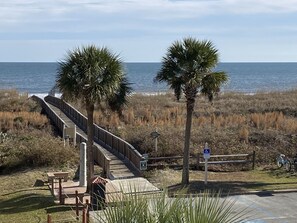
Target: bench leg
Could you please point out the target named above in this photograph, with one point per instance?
(62, 201)
(53, 186)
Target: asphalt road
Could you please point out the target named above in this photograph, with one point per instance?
(268, 208)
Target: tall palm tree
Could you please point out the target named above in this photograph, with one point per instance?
(92, 75)
(187, 68)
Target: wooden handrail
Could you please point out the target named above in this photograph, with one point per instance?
(101, 136)
(79, 138)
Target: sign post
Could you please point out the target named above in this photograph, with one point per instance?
(155, 136)
(206, 155)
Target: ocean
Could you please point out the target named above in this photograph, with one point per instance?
(39, 78)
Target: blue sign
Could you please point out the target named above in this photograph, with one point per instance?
(206, 151)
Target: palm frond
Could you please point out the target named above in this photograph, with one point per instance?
(212, 82)
(119, 99)
(91, 73)
(186, 63)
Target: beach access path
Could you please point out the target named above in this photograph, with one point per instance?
(122, 178)
(118, 167)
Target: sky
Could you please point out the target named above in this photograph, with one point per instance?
(142, 30)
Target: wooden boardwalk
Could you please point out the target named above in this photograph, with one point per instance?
(115, 190)
(123, 175)
(119, 167)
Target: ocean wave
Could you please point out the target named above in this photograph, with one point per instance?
(43, 95)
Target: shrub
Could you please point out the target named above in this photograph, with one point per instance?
(35, 149)
(22, 120)
(13, 101)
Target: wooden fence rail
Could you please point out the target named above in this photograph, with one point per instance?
(199, 161)
(85, 212)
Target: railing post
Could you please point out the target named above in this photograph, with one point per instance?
(49, 218)
(84, 215)
(88, 211)
(107, 167)
(74, 136)
(198, 161)
(83, 165)
(254, 158)
(76, 205)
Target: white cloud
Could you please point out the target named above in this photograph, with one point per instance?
(133, 24)
(14, 10)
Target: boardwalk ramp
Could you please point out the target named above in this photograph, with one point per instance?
(119, 159)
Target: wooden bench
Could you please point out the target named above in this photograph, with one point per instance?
(52, 176)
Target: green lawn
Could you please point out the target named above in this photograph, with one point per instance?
(25, 198)
(230, 182)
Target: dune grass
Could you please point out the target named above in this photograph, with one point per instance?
(234, 123)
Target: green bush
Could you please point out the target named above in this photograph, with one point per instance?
(35, 149)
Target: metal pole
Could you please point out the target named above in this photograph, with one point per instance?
(156, 144)
(205, 177)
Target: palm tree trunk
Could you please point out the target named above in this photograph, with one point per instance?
(190, 109)
(90, 142)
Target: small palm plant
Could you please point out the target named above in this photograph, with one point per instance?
(159, 208)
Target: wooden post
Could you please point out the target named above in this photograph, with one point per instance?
(84, 215)
(53, 186)
(49, 218)
(254, 158)
(88, 210)
(76, 205)
(107, 167)
(60, 191)
(198, 161)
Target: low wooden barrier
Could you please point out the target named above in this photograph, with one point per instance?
(198, 160)
(85, 213)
